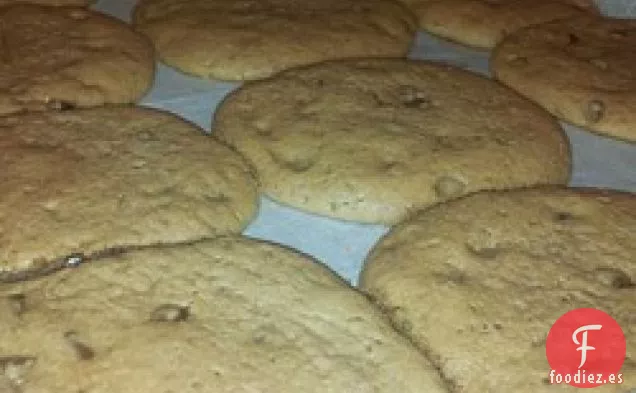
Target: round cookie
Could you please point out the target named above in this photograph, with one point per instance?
(581, 70)
(483, 23)
(369, 140)
(225, 315)
(232, 40)
(69, 56)
(83, 182)
(477, 282)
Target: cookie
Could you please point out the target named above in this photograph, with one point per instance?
(86, 181)
(581, 70)
(252, 39)
(584, 4)
(70, 56)
(369, 140)
(77, 3)
(224, 315)
(483, 23)
(477, 282)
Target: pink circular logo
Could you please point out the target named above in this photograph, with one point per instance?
(586, 348)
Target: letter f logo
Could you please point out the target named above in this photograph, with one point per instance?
(583, 343)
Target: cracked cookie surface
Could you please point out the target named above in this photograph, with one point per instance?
(80, 182)
(478, 282)
(581, 70)
(69, 55)
(252, 39)
(225, 315)
(370, 140)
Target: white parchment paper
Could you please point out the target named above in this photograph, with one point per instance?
(597, 161)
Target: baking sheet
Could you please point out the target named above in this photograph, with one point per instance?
(597, 161)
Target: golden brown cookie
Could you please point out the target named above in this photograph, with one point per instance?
(69, 56)
(227, 315)
(477, 282)
(483, 23)
(252, 39)
(370, 140)
(82, 182)
(581, 70)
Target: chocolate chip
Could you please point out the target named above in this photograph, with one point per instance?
(60, 105)
(573, 39)
(17, 302)
(170, 313)
(83, 351)
(562, 216)
(613, 278)
(594, 111)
